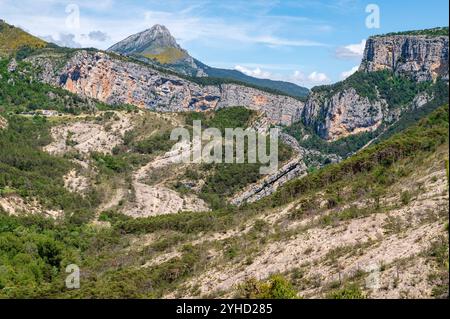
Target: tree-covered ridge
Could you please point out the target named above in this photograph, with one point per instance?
(12, 39)
(434, 32)
(396, 90)
(426, 136)
(223, 180)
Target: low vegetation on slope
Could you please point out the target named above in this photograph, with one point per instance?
(12, 39)
(167, 56)
(424, 137)
(440, 31)
(35, 250)
(396, 90)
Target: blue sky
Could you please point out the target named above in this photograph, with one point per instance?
(308, 42)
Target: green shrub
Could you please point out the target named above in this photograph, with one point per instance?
(153, 144)
(114, 163)
(350, 291)
(405, 197)
(276, 287)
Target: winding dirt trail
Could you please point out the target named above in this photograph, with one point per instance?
(152, 200)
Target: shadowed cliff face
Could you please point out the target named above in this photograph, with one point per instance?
(100, 76)
(344, 113)
(422, 58)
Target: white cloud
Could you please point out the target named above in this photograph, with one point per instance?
(274, 41)
(346, 74)
(257, 72)
(187, 22)
(63, 40)
(351, 51)
(313, 79)
(297, 77)
(98, 36)
(186, 27)
(318, 78)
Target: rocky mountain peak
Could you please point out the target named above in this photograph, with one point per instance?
(161, 36)
(157, 46)
(151, 41)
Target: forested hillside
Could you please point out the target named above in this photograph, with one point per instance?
(36, 249)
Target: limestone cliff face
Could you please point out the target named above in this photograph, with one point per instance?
(424, 58)
(342, 114)
(101, 76)
(336, 113)
(277, 108)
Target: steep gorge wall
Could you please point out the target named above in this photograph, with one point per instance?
(98, 75)
(333, 113)
(343, 113)
(336, 113)
(424, 58)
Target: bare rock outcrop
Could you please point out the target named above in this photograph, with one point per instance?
(295, 168)
(86, 136)
(12, 66)
(116, 81)
(343, 113)
(342, 109)
(423, 58)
